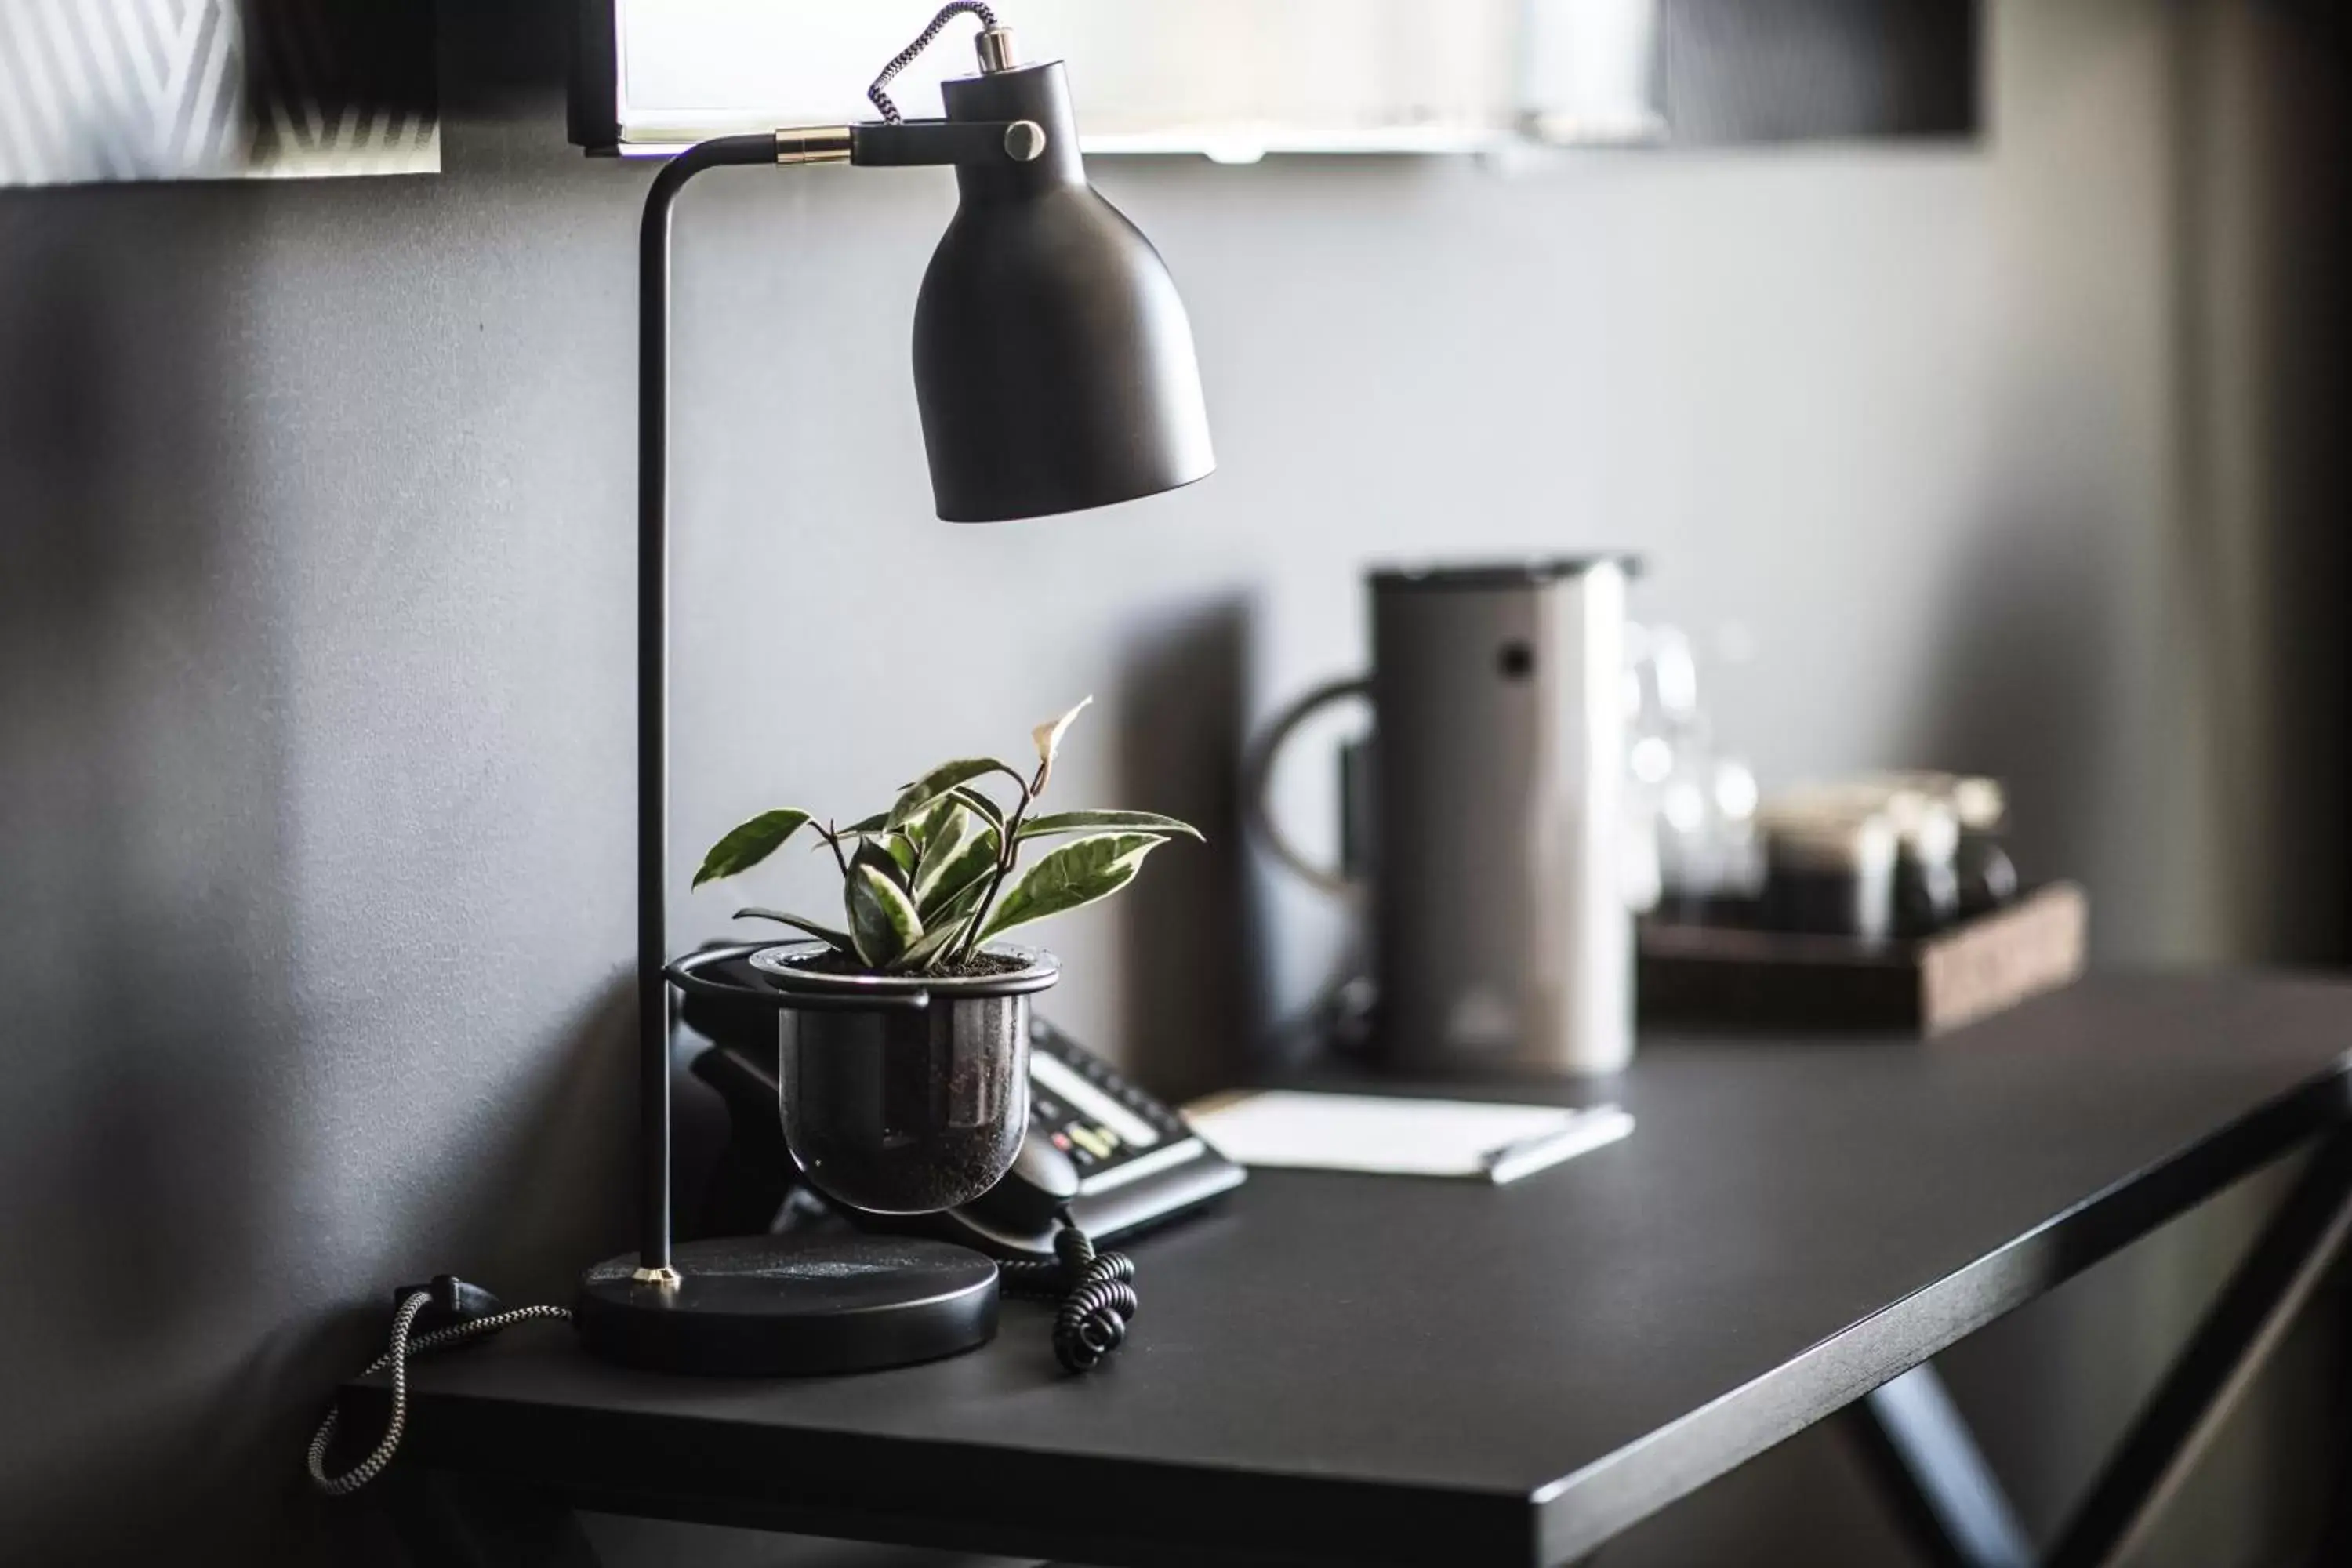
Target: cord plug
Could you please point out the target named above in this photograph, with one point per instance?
(454, 1301)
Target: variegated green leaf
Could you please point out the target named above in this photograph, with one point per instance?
(967, 849)
(963, 904)
(750, 844)
(1048, 737)
(1072, 876)
(938, 782)
(836, 939)
(883, 923)
(930, 947)
(1105, 822)
(933, 820)
(873, 823)
(980, 803)
(889, 855)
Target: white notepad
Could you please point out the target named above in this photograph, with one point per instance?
(1391, 1136)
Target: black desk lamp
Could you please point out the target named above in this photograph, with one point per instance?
(1054, 372)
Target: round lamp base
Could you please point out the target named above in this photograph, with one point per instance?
(781, 1305)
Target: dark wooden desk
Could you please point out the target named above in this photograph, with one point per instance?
(1357, 1371)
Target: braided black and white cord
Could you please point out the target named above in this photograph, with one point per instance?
(1098, 1294)
(906, 57)
(396, 1358)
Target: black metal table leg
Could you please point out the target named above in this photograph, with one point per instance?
(1948, 1498)
(1927, 1462)
(2229, 1348)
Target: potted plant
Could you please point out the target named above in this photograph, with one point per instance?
(905, 1028)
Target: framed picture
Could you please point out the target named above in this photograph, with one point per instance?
(208, 89)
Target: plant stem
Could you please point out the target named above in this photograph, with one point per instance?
(1007, 852)
(832, 837)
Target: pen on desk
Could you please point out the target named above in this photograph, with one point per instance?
(1592, 1128)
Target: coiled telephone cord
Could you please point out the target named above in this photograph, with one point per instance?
(1097, 1290)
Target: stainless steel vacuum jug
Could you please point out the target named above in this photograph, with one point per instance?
(1500, 935)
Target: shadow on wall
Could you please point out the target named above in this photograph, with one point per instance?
(1180, 752)
(2015, 691)
(2262, 203)
(205, 1176)
(142, 737)
(207, 1180)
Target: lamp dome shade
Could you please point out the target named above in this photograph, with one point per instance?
(1053, 362)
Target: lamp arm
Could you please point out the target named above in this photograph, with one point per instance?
(904, 142)
(653, 685)
(912, 142)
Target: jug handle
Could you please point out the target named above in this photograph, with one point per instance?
(1258, 779)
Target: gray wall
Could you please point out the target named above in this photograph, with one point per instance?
(315, 648)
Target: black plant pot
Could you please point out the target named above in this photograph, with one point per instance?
(904, 1094)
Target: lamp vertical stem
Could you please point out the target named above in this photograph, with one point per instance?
(653, 678)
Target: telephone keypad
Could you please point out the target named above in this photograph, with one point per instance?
(1095, 1116)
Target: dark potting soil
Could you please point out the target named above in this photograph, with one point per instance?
(979, 966)
(954, 1169)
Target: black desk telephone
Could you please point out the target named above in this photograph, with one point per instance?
(1118, 1160)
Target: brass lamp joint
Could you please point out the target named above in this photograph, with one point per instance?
(813, 144)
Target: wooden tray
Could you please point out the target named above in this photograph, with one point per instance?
(1727, 975)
